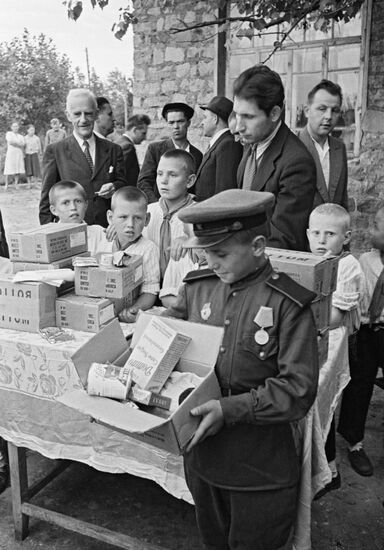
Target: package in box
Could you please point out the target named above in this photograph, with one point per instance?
(321, 309)
(175, 431)
(109, 282)
(83, 312)
(48, 243)
(155, 355)
(27, 306)
(316, 273)
(64, 263)
(322, 346)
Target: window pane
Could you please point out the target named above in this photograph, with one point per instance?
(342, 57)
(301, 85)
(352, 28)
(239, 63)
(313, 34)
(278, 62)
(307, 60)
(345, 128)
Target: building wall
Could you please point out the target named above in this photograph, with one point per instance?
(172, 67)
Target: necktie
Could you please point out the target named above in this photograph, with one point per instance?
(165, 231)
(377, 303)
(250, 169)
(87, 155)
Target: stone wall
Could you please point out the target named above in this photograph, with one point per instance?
(366, 176)
(172, 67)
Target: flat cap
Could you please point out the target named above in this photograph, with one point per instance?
(183, 107)
(221, 106)
(219, 217)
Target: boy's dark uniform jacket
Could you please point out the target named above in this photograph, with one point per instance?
(264, 387)
(65, 160)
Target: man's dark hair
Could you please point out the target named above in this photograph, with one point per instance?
(101, 102)
(327, 85)
(135, 121)
(262, 85)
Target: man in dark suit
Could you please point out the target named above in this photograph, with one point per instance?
(218, 168)
(275, 160)
(178, 117)
(95, 163)
(136, 132)
(329, 153)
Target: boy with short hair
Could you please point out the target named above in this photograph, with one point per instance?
(175, 175)
(129, 216)
(68, 202)
(329, 232)
(370, 352)
(241, 465)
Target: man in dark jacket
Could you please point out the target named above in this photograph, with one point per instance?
(136, 132)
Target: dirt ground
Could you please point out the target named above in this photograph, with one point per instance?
(351, 518)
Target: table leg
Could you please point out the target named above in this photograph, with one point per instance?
(19, 488)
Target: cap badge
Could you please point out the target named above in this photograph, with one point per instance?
(206, 311)
(264, 319)
(237, 226)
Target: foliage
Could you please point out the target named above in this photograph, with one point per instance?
(257, 15)
(34, 81)
(118, 89)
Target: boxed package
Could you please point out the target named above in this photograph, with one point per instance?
(321, 309)
(64, 263)
(322, 346)
(316, 273)
(175, 431)
(155, 355)
(83, 312)
(27, 306)
(48, 243)
(111, 282)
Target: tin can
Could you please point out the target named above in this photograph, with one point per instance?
(107, 381)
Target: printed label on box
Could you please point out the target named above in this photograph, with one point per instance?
(76, 239)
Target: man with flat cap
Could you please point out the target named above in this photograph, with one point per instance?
(241, 465)
(178, 117)
(218, 168)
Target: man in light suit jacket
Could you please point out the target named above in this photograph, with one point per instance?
(178, 117)
(95, 163)
(329, 153)
(275, 160)
(136, 132)
(218, 168)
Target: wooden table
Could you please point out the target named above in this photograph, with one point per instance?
(29, 420)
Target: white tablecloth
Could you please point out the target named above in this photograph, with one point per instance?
(33, 373)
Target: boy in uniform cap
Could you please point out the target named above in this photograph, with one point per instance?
(241, 465)
(178, 117)
(218, 168)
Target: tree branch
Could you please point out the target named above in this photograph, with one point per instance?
(223, 20)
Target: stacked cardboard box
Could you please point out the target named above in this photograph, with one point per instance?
(316, 273)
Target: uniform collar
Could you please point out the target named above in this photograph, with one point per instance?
(258, 276)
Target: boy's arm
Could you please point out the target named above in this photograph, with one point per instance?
(145, 301)
(337, 317)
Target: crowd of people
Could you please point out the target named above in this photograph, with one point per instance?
(202, 222)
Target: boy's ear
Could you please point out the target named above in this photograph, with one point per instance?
(52, 208)
(147, 219)
(109, 217)
(258, 245)
(348, 235)
(191, 180)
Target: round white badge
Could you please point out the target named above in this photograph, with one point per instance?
(261, 337)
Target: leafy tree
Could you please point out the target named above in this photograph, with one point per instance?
(257, 15)
(34, 81)
(118, 89)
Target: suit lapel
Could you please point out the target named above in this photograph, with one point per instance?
(320, 180)
(75, 153)
(209, 152)
(100, 155)
(266, 165)
(335, 166)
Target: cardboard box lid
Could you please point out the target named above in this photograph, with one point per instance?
(72, 298)
(98, 349)
(121, 417)
(200, 334)
(48, 228)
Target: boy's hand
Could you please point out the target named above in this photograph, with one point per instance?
(110, 233)
(128, 315)
(212, 420)
(106, 190)
(177, 250)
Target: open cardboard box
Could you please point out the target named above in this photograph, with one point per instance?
(172, 433)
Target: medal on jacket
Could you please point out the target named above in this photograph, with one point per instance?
(264, 319)
(206, 311)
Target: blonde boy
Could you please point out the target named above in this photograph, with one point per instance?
(129, 216)
(175, 176)
(68, 202)
(328, 233)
